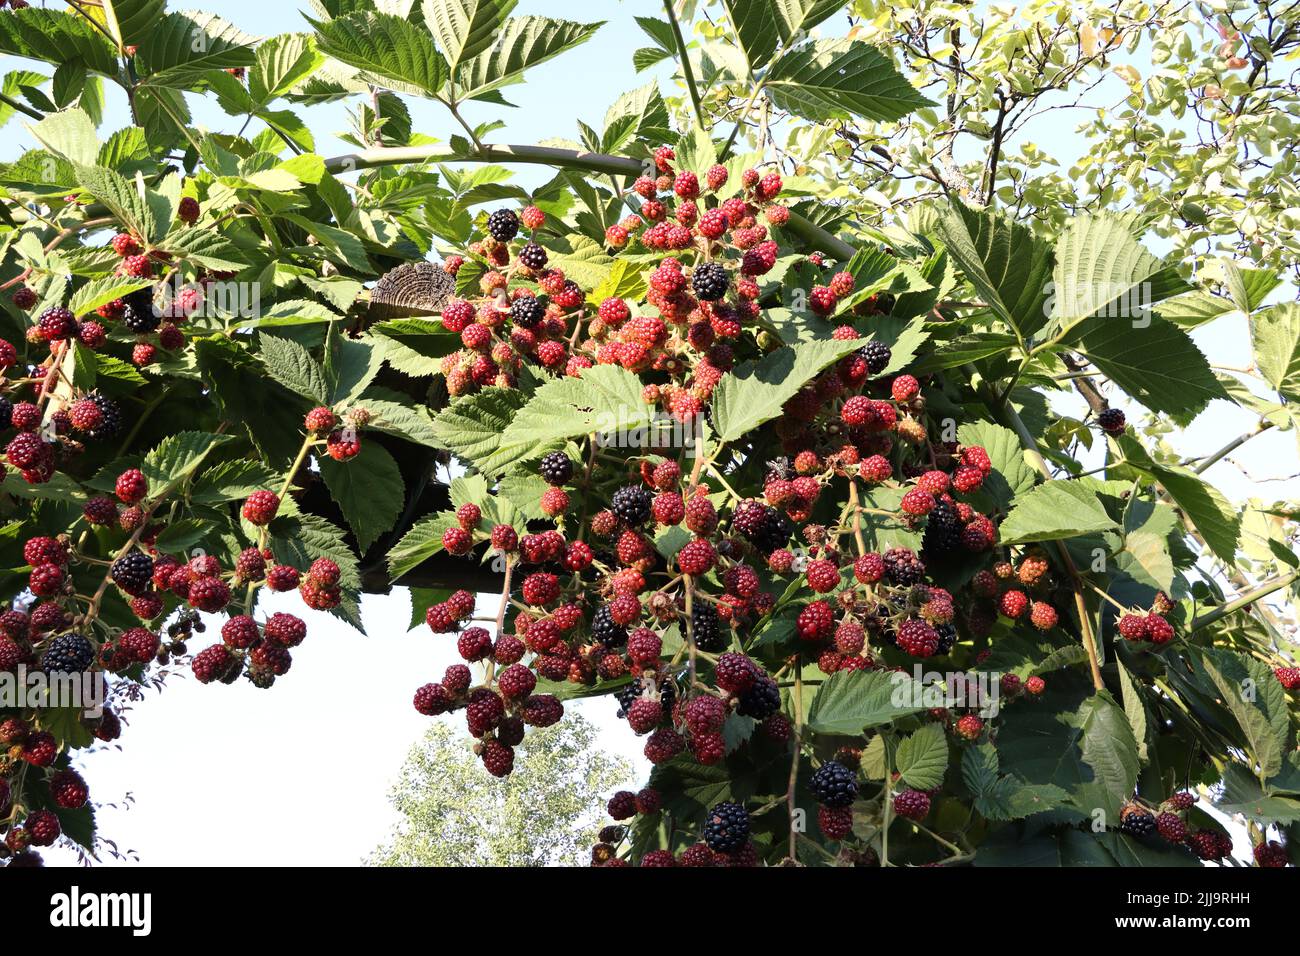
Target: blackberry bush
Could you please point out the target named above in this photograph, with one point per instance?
(634, 450)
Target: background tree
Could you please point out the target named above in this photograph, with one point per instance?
(1183, 109)
(547, 813)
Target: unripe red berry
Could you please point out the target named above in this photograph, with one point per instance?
(260, 507)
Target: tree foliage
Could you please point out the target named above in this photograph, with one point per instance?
(547, 813)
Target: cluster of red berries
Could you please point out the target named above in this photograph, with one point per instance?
(1151, 626)
(1010, 591)
(46, 436)
(1168, 822)
(498, 710)
(587, 611)
(25, 828)
(530, 313)
(723, 840)
(343, 443)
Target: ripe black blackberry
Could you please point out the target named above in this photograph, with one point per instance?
(110, 417)
(833, 784)
(760, 701)
(68, 654)
(1112, 421)
(710, 281)
(774, 532)
(704, 628)
(876, 355)
(606, 630)
(727, 827)
(942, 531)
(503, 225)
(527, 312)
(132, 572)
(1136, 822)
(6, 412)
(761, 525)
(947, 637)
(533, 256)
(138, 313)
(556, 467)
(902, 566)
(632, 504)
(634, 690)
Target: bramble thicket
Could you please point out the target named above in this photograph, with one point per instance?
(787, 413)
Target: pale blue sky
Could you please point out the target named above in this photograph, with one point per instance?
(234, 775)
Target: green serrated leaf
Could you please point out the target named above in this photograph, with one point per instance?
(1155, 362)
(370, 494)
(922, 758)
(465, 28)
(422, 542)
(1242, 794)
(1009, 266)
(123, 199)
(231, 481)
(388, 50)
(204, 246)
(521, 43)
(1256, 701)
(54, 36)
(294, 368)
(474, 428)
(851, 701)
(99, 292)
(755, 392)
(1054, 510)
(604, 399)
(182, 47)
(177, 457)
(826, 80)
(1276, 335)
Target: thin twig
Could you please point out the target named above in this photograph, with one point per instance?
(687, 70)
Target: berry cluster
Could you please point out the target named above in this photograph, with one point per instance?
(1151, 626)
(594, 596)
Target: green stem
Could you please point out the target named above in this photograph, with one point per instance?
(794, 760)
(1010, 417)
(1210, 460)
(886, 815)
(688, 587)
(139, 423)
(1250, 597)
(687, 71)
(464, 124)
(550, 156)
(21, 107)
(488, 153)
(307, 444)
(740, 120)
